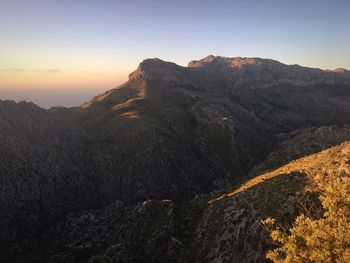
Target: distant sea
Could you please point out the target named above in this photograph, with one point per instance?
(47, 98)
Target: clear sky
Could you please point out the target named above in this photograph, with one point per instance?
(61, 52)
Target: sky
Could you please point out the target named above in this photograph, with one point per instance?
(63, 52)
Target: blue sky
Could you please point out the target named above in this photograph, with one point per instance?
(54, 41)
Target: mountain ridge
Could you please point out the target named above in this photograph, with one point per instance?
(157, 68)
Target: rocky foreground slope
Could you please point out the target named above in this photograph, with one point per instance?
(218, 227)
(137, 174)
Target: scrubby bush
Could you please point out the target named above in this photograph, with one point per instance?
(324, 239)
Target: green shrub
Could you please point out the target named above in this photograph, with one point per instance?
(326, 239)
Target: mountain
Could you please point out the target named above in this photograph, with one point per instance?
(175, 132)
(149, 171)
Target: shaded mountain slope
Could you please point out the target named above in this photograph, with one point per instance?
(43, 171)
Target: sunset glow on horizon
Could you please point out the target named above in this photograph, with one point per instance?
(18, 78)
(93, 45)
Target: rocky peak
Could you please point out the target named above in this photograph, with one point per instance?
(234, 62)
(155, 68)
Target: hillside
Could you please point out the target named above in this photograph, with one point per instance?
(176, 164)
(43, 171)
(229, 230)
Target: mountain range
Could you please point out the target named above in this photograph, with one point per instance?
(175, 165)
